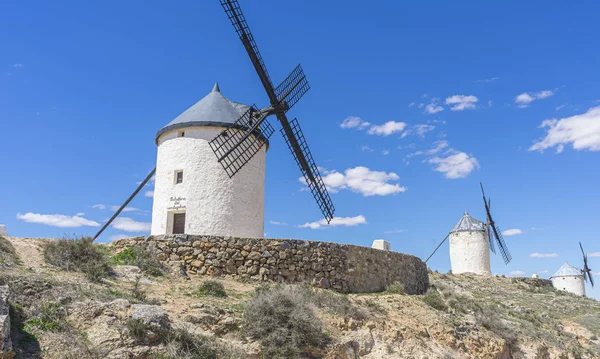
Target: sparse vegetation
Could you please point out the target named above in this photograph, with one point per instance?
(284, 321)
(50, 318)
(142, 258)
(395, 288)
(79, 254)
(433, 299)
(8, 255)
(181, 343)
(213, 288)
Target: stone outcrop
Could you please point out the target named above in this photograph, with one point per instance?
(5, 342)
(341, 267)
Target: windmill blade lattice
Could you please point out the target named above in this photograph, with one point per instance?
(587, 271)
(235, 146)
(495, 230)
(309, 169)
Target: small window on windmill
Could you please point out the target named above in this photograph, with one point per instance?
(178, 177)
(181, 133)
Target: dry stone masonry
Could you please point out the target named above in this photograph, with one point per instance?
(341, 267)
(5, 342)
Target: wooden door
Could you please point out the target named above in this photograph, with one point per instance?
(178, 223)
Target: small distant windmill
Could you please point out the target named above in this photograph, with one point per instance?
(587, 271)
(470, 240)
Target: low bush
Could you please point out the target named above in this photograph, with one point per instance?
(142, 258)
(51, 317)
(8, 256)
(335, 303)
(395, 288)
(285, 322)
(212, 288)
(433, 299)
(79, 254)
(180, 343)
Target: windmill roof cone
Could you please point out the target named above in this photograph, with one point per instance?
(567, 270)
(212, 110)
(468, 223)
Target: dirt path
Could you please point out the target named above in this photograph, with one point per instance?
(29, 250)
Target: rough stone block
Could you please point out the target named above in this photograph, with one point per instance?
(5, 342)
(381, 244)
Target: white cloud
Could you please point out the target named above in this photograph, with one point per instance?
(433, 108)
(544, 271)
(438, 146)
(276, 223)
(385, 152)
(558, 108)
(512, 232)
(18, 65)
(581, 131)
(354, 122)
(421, 105)
(129, 225)
(362, 180)
(149, 194)
(517, 273)
(523, 100)
(412, 104)
(114, 208)
(80, 214)
(116, 237)
(394, 231)
(543, 255)
(458, 165)
(594, 254)
(487, 81)
(461, 102)
(366, 148)
(387, 128)
(336, 221)
(57, 220)
(419, 130)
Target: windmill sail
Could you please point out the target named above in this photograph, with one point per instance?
(587, 272)
(496, 231)
(282, 99)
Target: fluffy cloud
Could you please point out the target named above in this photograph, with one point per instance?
(116, 237)
(115, 208)
(57, 220)
(387, 128)
(129, 225)
(366, 148)
(433, 108)
(517, 273)
(149, 194)
(487, 81)
(276, 223)
(438, 146)
(354, 122)
(523, 100)
(461, 102)
(512, 232)
(418, 130)
(385, 152)
(362, 180)
(336, 221)
(543, 255)
(594, 254)
(580, 131)
(457, 165)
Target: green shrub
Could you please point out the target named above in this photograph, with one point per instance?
(212, 288)
(395, 288)
(7, 252)
(433, 299)
(51, 317)
(284, 321)
(335, 303)
(79, 254)
(142, 258)
(180, 343)
(137, 329)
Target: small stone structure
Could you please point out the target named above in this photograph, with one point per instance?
(341, 267)
(381, 244)
(3, 231)
(5, 342)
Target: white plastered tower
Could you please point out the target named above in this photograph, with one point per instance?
(570, 279)
(193, 194)
(469, 247)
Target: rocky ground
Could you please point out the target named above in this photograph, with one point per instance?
(59, 314)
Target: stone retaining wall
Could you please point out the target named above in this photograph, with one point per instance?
(341, 267)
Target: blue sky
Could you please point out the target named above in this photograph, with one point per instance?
(411, 105)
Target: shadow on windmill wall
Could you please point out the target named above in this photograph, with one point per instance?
(341, 267)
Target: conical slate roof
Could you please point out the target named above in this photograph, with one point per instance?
(468, 223)
(567, 270)
(213, 110)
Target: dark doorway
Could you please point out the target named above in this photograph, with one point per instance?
(178, 223)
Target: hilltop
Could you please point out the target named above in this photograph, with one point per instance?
(132, 314)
